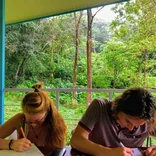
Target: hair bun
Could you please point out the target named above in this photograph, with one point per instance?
(37, 87)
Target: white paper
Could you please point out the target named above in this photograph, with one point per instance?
(137, 152)
(33, 151)
(8, 153)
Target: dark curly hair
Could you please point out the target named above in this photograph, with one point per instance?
(137, 102)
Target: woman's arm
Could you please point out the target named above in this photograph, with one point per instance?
(8, 128)
(4, 144)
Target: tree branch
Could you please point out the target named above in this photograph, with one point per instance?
(97, 11)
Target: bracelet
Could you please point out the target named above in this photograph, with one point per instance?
(10, 144)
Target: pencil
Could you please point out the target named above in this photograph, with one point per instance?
(22, 130)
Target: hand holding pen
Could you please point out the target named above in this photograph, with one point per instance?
(127, 151)
(22, 144)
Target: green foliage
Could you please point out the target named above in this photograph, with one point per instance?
(135, 27)
(44, 51)
(100, 33)
(61, 69)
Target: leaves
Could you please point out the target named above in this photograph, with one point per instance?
(124, 52)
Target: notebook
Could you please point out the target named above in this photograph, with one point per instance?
(33, 151)
(58, 152)
(137, 152)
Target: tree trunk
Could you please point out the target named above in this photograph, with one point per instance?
(20, 69)
(52, 51)
(89, 55)
(77, 23)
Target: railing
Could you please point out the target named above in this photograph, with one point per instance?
(58, 90)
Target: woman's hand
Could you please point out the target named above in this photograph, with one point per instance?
(21, 145)
(151, 151)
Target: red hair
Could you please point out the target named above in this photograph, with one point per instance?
(39, 102)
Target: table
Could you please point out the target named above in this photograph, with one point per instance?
(47, 151)
(31, 152)
(69, 151)
(72, 152)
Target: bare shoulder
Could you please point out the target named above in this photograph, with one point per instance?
(17, 118)
(13, 121)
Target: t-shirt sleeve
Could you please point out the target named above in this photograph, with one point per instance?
(91, 116)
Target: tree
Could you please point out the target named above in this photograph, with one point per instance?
(135, 26)
(100, 33)
(22, 42)
(89, 52)
(77, 24)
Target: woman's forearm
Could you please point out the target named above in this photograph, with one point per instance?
(4, 144)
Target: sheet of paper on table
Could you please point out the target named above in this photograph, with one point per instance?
(137, 152)
(33, 151)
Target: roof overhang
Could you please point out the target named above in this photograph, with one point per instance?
(26, 10)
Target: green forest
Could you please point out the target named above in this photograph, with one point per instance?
(123, 53)
(78, 50)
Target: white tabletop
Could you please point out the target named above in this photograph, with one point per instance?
(33, 151)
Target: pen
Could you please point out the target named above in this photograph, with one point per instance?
(122, 144)
(22, 130)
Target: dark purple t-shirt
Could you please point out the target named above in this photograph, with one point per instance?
(104, 130)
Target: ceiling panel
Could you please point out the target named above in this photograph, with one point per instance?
(24, 10)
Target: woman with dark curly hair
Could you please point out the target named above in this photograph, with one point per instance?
(40, 120)
(112, 128)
